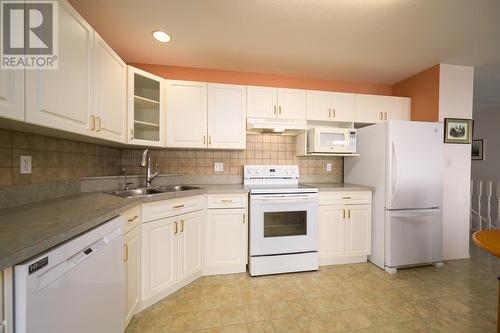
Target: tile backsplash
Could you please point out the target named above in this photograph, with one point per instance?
(53, 159)
(261, 149)
(56, 160)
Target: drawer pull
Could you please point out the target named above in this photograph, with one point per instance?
(226, 201)
(132, 219)
(346, 198)
(179, 206)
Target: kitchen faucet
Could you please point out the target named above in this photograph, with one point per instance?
(146, 162)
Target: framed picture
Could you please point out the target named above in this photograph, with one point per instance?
(457, 130)
(477, 150)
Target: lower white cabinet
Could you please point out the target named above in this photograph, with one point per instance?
(345, 231)
(227, 234)
(6, 301)
(131, 260)
(172, 254)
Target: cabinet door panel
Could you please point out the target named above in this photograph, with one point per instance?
(61, 98)
(261, 102)
(342, 107)
(226, 237)
(186, 114)
(132, 267)
(110, 88)
(395, 107)
(159, 256)
(319, 104)
(226, 116)
(331, 231)
(12, 94)
(292, 103)
(358, 230)
(191, 244)
(367, 109)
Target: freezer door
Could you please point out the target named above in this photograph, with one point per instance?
(413, 237)
(415, 165)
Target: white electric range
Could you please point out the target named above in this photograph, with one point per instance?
(283, 220)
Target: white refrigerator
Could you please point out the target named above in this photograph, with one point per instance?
(403, 162)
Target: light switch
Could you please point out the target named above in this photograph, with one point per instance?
(328, 167)
(218, 167)
(25, 164)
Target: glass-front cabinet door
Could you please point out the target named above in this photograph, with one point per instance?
(145, 108)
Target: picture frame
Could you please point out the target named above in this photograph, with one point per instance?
(477, 150)
(457, 130)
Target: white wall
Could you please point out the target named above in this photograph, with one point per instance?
(455, 101)
(486, 122)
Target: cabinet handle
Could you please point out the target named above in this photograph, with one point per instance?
(204, 139)
(279, 108)
(132, 219)
(243, 218)
(178, 206)
(274, 110)
(131, 133)
(92, 123)
(329, 113)
(343, 213)
(209, 139)
(348, 213)
(176, 228)
(226, 201)
(380, 116)
(182, 225)
(385, 115)
(346, 198)
(99, 124)
(125, 257)
(333, 112)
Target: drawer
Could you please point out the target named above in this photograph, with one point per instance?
(227, 200)
(345, 198)
(132, 218)
(158, 210)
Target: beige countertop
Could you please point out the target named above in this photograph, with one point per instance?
(333, 187)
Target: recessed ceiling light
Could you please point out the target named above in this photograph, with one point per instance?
(161, 36)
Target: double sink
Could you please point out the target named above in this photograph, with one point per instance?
(147, 191)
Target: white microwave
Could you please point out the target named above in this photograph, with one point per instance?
(331, 140)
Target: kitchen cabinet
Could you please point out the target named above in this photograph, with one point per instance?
(186, 114)
(330, 106)
(226, 116)
(172, 249)
(145, 108)
(61, 98)
(374, 108)
(284, 103)
(344, 227)
(12, 94)
(201, 115)
(131, 259)
(6, 301)
(110, 87)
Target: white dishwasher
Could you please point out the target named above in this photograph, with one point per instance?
(75, 287)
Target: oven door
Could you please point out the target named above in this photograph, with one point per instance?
(283, 223)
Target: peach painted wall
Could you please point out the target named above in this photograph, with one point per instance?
(260, 79)
(423, 88)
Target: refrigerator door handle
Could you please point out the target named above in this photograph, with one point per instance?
(394, 171)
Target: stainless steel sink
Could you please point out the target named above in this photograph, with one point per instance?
(147, 191)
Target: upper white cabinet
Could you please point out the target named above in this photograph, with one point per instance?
(374, 108)
(186, 114)
(330, 106)
(12, 93)
(61, 98)
(110, 86)
(201, 115)
(145, 108)
(265, 102)
(226, 116)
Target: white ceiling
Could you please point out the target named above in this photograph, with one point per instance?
(379, 41)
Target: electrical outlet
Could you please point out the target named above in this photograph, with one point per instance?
(218, 167)
(25, 164)
(328, 167)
